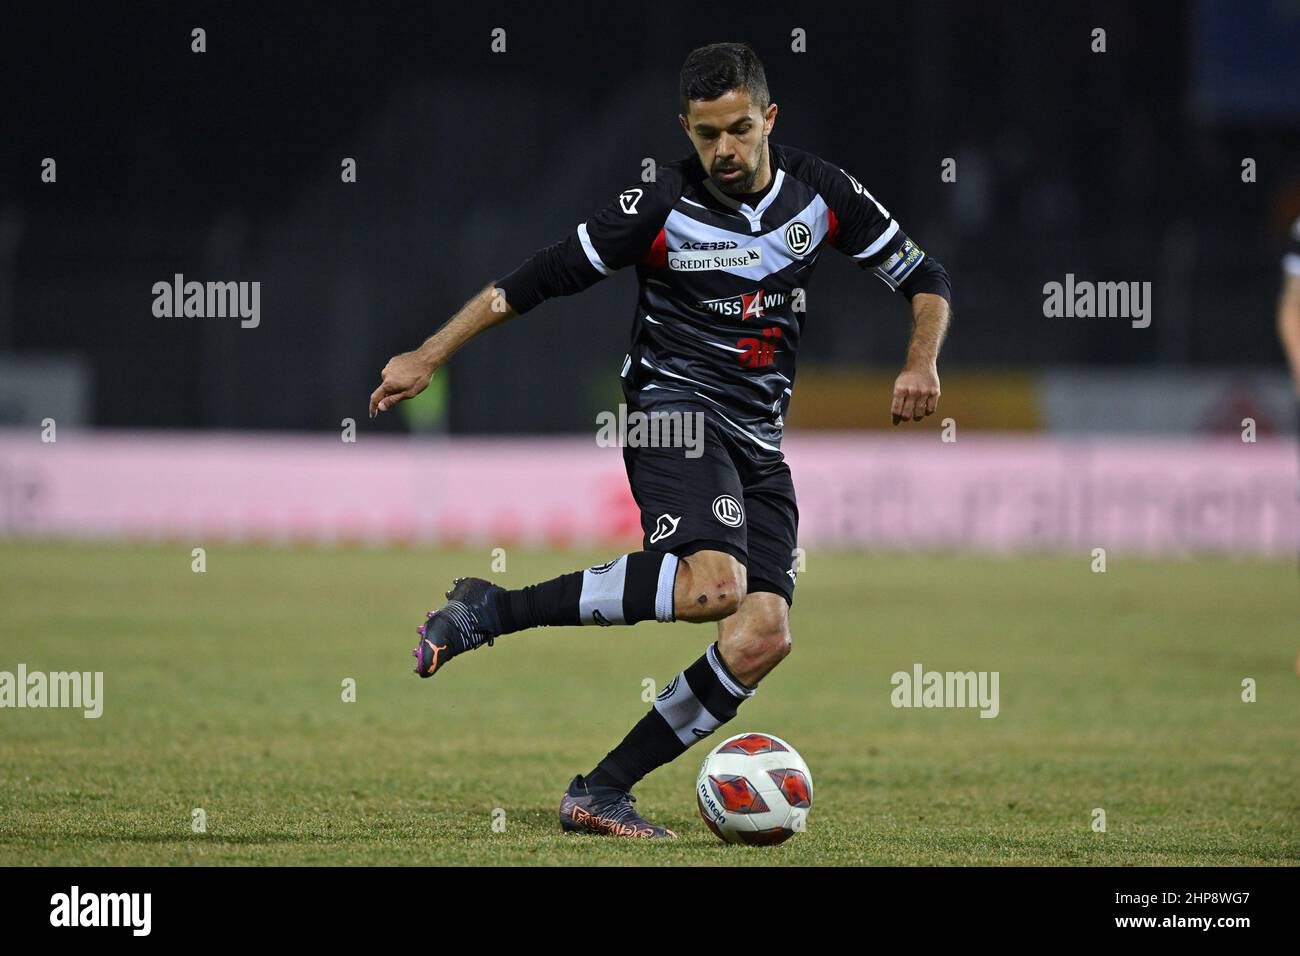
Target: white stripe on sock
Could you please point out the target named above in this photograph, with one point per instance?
(729, 683)
(679, 706)
(602, 593)
(664, 593)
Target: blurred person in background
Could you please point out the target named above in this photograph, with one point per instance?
(1288, 308)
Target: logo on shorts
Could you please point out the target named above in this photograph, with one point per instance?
(665, 526)
(727, 510)
(798, 237)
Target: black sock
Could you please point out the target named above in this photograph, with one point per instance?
(695, 703)
(635, 587)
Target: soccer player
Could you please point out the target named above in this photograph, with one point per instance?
(724, 242)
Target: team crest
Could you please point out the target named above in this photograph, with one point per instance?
(798, 237)
(728, 510)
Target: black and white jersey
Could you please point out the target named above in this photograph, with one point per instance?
(721, 305)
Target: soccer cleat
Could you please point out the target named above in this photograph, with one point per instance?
(468, 620)
(606, 811)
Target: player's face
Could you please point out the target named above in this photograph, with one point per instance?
(730, 137)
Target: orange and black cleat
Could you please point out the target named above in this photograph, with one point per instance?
(605, 811)
(467, 621)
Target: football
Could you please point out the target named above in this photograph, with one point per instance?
(754, 788)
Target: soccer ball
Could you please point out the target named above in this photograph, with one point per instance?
(755, 789)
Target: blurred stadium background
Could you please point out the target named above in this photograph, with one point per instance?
(1122, 166)
(1072, 433)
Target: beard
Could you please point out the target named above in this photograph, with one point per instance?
(745, 184)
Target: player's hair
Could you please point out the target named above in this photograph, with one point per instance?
(710, 71)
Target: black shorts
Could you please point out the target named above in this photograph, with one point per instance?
(727, 499)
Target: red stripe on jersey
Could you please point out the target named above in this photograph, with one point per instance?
(657, 255)
(832, 228)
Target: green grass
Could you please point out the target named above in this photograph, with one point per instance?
(223, 692)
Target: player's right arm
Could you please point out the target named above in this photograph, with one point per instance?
(619, 235)
(408, 374)
(1288, 307)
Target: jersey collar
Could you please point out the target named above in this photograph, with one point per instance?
(752, 213)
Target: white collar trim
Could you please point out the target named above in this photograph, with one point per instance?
(753, 214)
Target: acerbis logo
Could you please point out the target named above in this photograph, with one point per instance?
(627, 201)
(727, 510)
(668, 691)
(601, 619)
(720, 244)
(747, 305)
(664, 527)
(798, 237)
(602, 568)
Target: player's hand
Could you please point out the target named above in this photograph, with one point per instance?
(405, 376)
(916, 394)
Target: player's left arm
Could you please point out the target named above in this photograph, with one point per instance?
(860, 227)
(916, 390)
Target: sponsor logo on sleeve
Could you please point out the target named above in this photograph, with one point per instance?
(897, 267)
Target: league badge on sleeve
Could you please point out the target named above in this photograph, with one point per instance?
(899, 266)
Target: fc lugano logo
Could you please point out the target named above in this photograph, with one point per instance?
(798, 237)
(727, 510)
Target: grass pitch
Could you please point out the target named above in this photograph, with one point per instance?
(223, 692)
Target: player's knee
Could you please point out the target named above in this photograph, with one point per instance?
(753, 651)
(728, 601)
(712, 588)
(768, 645)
